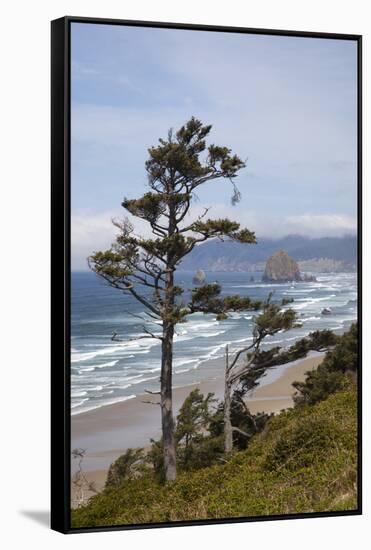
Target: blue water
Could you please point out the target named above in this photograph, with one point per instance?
(105, 372)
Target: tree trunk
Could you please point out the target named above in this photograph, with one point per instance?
(228, 432)
(167, 402)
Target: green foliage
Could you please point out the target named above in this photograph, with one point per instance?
(344, 357)
(304, 443)
(336, 371)
(179, 156)
(193, 417)
(175, 168)
(318, 385)
(270, 321)
(305, 460)
(200, 432)
(206, 296)
(250, 424)
(127, 466)
(273, 319)
(149, 207)
(208, 300)
(196, 447)
(203, 452)
(110, 264)
(235, 302)
(155, 457)
(319, 340)
(224, 228)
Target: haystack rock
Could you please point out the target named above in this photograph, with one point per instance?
(199, 277)
(281, 268)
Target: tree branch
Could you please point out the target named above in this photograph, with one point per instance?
(144, 302)
(151, 334)
(235, 429)
(239, 353)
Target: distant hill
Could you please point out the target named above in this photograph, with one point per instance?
(319, 254)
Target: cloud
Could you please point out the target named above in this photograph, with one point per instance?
(321, 225)
(276, 226)
(92, 231)
(89, 232)
(288, 104)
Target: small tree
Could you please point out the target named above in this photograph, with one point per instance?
(126, 466)
(80, 483)
(273, 319)
(240, 380)
(192, 423)
(336, 371)
(176, 168)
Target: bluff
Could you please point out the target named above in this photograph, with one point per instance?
(281, 268)
(305, 461)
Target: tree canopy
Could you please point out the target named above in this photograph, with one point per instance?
(145, 266)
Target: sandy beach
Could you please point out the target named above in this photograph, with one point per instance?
(107, 432)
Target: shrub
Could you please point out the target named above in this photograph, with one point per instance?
(336, 371)
(305, 460)
(127, 466)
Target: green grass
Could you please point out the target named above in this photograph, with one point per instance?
(304, 461)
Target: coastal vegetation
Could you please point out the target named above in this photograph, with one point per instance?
(145, 267)
(239, 379)
(301, 460)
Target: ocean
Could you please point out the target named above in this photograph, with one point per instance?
(104, 372)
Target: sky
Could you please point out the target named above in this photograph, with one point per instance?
(286, 104)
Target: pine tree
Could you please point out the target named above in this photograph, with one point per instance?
(145, 267)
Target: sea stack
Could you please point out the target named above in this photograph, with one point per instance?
(281, 268)
(199, 277)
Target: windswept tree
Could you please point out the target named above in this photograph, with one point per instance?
(243, 377)
(145, 267)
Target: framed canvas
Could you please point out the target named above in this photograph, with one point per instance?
(206, 274)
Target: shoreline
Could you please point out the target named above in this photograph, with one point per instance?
(107, 432)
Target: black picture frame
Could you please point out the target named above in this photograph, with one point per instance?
(61, 267)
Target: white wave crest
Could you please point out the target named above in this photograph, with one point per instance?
(101, 404)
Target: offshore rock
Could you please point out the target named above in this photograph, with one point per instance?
(309, 278)
(281, 268)
(199, 277)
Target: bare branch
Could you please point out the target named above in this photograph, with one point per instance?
(238, 355)
(151, 334)
(235, 429)
(244, 370)
(199, 218)
(144, 302)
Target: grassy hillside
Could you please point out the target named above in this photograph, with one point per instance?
(304, 461)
